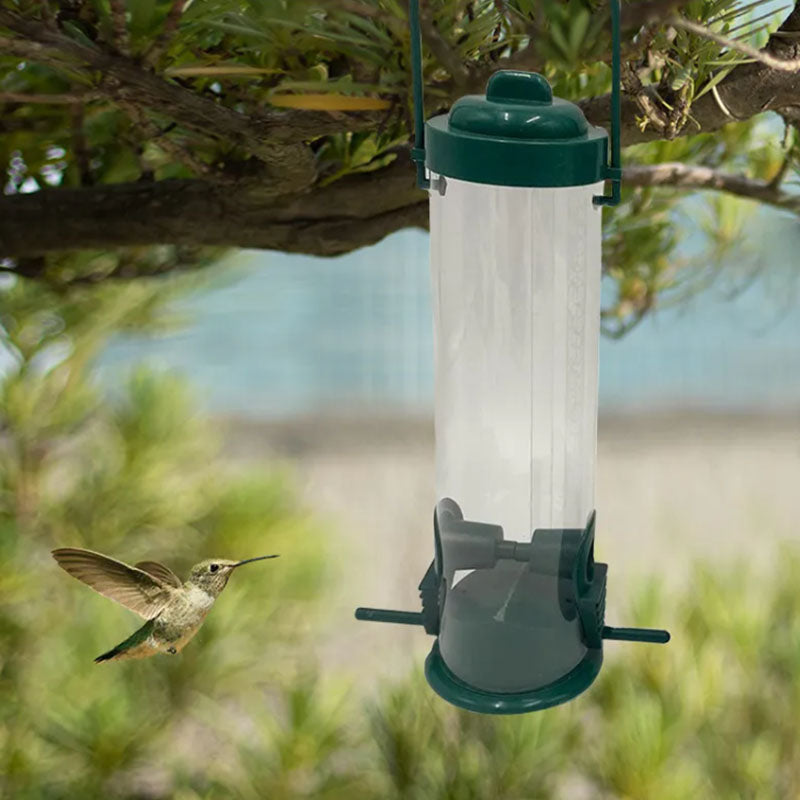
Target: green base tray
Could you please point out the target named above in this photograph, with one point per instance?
(455, 691)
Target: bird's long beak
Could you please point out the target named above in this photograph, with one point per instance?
(250, 560)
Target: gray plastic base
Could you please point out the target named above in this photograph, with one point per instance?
(506, 630)
(523, 629)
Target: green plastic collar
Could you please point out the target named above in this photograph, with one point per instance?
(518, 135)
(455, 691)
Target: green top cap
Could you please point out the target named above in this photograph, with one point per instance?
(518, 135)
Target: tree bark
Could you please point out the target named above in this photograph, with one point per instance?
(346, 215)
(748, 90)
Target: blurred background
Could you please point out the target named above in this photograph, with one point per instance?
(284, 403)
(325, 366)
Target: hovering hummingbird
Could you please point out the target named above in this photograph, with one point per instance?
(174, 611)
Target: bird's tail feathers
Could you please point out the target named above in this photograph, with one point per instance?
(137, 640)
(110, 654)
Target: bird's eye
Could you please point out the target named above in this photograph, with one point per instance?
(213, 568)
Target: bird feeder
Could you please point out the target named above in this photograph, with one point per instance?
(514, 596)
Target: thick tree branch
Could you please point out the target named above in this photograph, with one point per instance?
(691, 176)
(347, 214)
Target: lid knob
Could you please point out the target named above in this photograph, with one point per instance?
(513, 86)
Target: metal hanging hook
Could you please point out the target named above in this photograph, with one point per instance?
(418, 150)
(613, 171)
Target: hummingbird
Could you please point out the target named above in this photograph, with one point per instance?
(174, 610)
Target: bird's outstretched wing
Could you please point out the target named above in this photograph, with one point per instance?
(160, 572)
(133, 588)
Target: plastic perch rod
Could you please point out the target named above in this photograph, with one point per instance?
(385, 615)
(636, 634)
(652, 635)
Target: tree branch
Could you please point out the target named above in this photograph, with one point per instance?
(33, 51)
(279, 212)
(49, 99)
(647, 12)
(124, 80)
(344, 216)
(124, 77)
(748, 90)
(162, 43)
(633, 17)
(347, 214)
(690, 176)
(762, 56)
(150, 132)
(444, 52)
(120, 27)
(47, 124)
(275, 137)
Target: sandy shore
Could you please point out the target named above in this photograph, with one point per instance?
(671, 489)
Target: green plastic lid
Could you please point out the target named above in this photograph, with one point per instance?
(517, 135)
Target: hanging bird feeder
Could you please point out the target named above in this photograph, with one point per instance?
(514, 596)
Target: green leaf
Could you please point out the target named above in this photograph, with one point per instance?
(715, 80)
(75, 31)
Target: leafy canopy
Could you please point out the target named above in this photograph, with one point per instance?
(329, 85)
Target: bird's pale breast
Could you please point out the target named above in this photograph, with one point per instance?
(182, 617)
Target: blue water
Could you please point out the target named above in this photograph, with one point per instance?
(290, 334)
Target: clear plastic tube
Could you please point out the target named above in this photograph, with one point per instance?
(516, 299)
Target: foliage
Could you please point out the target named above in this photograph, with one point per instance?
(427, 749)
(645, 240)
(251, 57)
(134, 476)
(241, 712)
